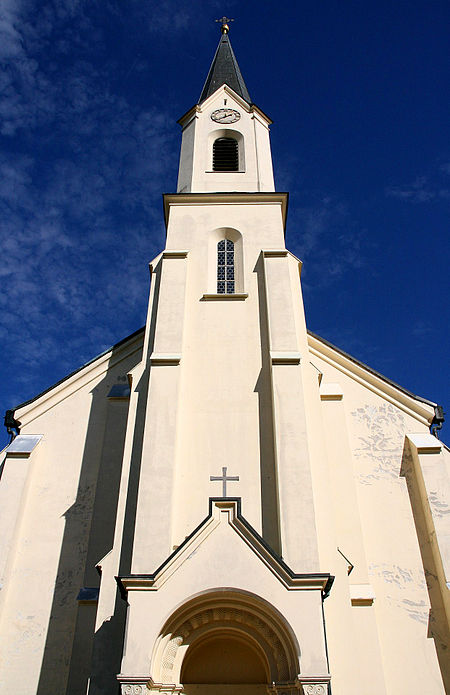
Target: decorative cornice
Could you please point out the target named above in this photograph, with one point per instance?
(362, 594)
(281, 253)
(425, 443)
(163, 358)
(174, 253)
(330, 392)
(285, 357)
(266, 198)
(275, 253)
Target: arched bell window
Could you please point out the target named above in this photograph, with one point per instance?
(225, 267)
(225, 154)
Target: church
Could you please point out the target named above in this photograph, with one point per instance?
(224, 503)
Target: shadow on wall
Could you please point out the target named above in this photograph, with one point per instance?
(108, 640)
(269, 487)
(437, 623)
(75, 655)
(88, 536)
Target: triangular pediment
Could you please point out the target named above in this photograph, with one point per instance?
(225, 534)
(223, 91)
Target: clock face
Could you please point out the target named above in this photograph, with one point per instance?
(225, 116)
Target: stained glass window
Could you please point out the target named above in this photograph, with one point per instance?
(225, 267)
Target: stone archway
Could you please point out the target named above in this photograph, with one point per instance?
(226, 638)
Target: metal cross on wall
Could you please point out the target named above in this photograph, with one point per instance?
(224, 478)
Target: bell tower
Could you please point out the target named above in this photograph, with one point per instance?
(227, 333)
(225, 358)
(225, 143)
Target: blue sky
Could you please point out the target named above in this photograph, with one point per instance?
(90, 92)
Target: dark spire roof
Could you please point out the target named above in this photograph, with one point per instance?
(224, 70)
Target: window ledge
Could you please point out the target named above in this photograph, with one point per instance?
(213, 297)
(214, 171)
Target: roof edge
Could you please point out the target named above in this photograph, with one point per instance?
(419, 399)
(117, 345)
(249, 106)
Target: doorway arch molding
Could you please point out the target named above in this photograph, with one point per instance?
(222, 610)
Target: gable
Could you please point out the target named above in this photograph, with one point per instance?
(127, 351)
(342, 366)
(232, 550)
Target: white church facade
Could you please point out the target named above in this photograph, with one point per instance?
(224, 502)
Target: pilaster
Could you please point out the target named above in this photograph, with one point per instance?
(153, 526)
(362, 633)
(431, 465)
(289, 423)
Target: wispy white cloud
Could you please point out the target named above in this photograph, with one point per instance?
(173, 17)
(424, 189)
(422, 329)
(329, 241)
(80, 212)
(10, 36)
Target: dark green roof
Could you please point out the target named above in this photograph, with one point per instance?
(224, 70)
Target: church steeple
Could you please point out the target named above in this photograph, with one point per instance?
(225, 145)
(224, 70)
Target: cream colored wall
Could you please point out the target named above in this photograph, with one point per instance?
(225, 372)
(230, 564)
(374, 527)
(225, 344)
(199, 131)
(46, 565)
(221, 363)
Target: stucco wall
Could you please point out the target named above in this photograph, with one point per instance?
(64, 525)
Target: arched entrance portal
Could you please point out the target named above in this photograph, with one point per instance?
(225, 642)
(227, 660)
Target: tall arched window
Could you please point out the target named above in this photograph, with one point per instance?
(225, 267)
(225, 154)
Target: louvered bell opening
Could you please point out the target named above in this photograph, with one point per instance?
(225, 155)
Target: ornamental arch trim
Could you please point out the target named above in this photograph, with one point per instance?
(226, 611)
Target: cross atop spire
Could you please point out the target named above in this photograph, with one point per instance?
(225, 28)
(224, 68)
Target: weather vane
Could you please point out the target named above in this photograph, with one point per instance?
(225, 28)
